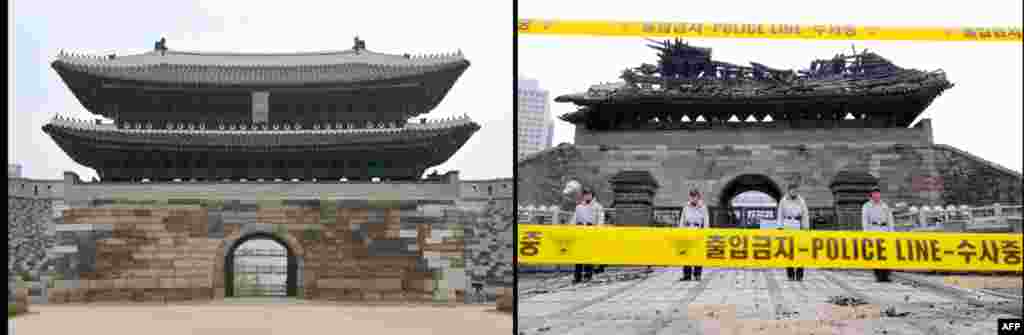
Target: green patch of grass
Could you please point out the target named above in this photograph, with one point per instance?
(311, 234)
(281, 231)
(11, 311)
(53, 279)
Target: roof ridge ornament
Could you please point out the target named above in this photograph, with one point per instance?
(161, 46)
(358, 44)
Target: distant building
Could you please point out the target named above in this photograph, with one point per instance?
(534, 127)
(477, 194)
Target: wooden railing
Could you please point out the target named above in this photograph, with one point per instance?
(959, 218)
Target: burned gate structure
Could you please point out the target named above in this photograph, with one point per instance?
(837, 128)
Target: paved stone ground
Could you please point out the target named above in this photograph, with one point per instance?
(260, 317)
(749, 301)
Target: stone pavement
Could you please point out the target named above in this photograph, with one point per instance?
(748, 301)
(259, 317)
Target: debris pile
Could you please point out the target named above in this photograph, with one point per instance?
(891, 312)
(843, 300)
(788, 314)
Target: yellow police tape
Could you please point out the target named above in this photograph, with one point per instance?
(567, 244)
(768, 31)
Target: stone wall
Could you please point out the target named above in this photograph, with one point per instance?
(541, 177)
(489, 250)
(920, 134)
(175, 250)
(35, 188)
(21, 301)
(971, 180)
(899, 168)
(480, 194)
(711, 169)
(28, 220)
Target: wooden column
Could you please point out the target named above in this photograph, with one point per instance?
(260, 106)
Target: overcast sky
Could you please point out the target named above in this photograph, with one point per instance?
(981, 114)
(38, 30)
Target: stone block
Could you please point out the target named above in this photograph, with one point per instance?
(421, 296)
(393, 296)
(382, 284)
(122, 283)
(103, 284)
(143, 283)
(420, 285)
(85, 283)
(505, 300)
(77, 295)
(21, 301)
(57, 295)
(341, 283)
(177, 295)
(371, 296)
(166, 283)
(341, 295)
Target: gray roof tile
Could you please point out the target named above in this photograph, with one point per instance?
(244, 68)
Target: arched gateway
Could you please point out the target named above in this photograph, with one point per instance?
(291, 263)
(729, 215)
(748, 182)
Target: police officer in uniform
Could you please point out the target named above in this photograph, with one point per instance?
(588, 213)
(694, 216)
(793, 215)
(876, 216)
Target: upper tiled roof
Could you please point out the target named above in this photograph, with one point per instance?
(228, 59)
(255, 68)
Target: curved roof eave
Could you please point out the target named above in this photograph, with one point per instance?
(338, 74)
(226, 59)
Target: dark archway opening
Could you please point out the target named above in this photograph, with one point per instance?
(291, 266)
(727, 216)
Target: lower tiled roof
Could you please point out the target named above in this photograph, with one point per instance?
(109, 133)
